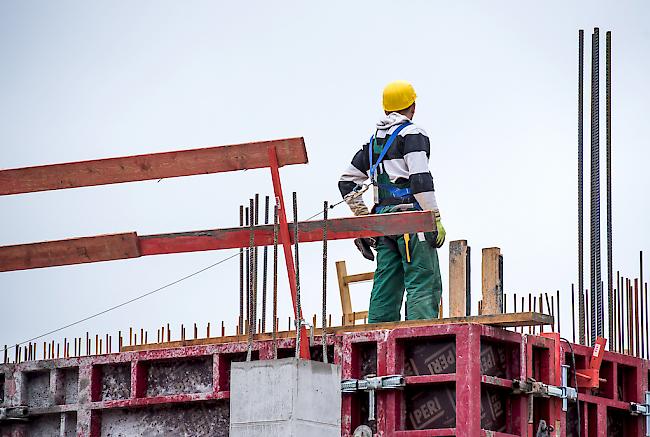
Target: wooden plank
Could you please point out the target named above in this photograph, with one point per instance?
(344, 290)
(151, 166)
(491, 282)
(92, 249)
(499, 320)
(337, 229)
(71, 251)
(360, 277)
(459, 288)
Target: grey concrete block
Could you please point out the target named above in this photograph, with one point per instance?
(287, 397)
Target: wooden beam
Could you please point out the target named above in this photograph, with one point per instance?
(500, 320)
(151, 166)
(72, 251)
(337, 229)
(344, 290)
(104, 248)
(459, 279)
(360, 277)
(492, 285)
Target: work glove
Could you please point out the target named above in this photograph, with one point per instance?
(365, 246)
(440, 233)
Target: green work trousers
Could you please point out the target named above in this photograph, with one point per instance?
(420, 278)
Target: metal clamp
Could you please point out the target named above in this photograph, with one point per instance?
(370, 384)
(16, 414)
(539, 389)
(642, 410)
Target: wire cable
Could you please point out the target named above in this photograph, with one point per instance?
(142, 296)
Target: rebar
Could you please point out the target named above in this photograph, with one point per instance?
(265, 267)
(247, 300)
(573, 313)
(596, 289)
(275, 282)
(324, 309)
(251, 243)
(581, 308)
(255, 267)
(645, 292)
(241, 272)
(298, 314)
(608, 134)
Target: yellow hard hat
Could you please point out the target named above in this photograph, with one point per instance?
(398, 95)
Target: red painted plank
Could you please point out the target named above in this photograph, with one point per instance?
(151, 166)
(337, 229)
(72, 251)
(122, 246)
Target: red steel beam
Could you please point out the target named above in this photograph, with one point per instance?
(285, 240)
(123, 246)
(152, 166)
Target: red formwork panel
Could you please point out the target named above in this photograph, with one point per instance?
(606, 411)
(459, 380)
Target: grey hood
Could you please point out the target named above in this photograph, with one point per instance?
(390, 120)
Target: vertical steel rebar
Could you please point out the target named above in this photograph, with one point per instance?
(265, 267)
(247, 267)
(614, 340)
(255, 264)
(275, 281)
(557, 302)
(297, 261)
(241, 273)
(324, 309)
(645, 293)
(581, 308)
(596, 296)
(251, 276)
(608, 134)
(573, 313)
(621, 317)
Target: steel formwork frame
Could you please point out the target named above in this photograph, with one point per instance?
(373, 351)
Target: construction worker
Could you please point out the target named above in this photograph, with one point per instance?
(396, 160)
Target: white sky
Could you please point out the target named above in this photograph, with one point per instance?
(497, 94)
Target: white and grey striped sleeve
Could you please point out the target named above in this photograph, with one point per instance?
(416, 150)
(355, 175)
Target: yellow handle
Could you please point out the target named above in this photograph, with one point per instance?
(407, 237)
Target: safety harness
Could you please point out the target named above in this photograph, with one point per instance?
(388, 195)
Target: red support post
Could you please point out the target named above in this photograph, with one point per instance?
(285, 240)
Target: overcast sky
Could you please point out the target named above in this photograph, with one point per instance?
(497, 92)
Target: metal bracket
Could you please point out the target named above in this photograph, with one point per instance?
(370, 384)
(539, 389)
(642, 410)
(14, 414)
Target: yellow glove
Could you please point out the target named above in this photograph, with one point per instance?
(440, 238)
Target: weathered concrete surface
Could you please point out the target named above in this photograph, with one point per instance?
(38, 388)
(116, 381)
(48, 425)
(2, 388)
(287, 397)
(179, 376)
(70, 385)
(196, 420)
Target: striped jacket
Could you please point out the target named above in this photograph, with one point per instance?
(407, 160)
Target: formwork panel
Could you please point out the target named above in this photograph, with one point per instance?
(115, 381)
(198, 420)
(37, 388)
(172, 377)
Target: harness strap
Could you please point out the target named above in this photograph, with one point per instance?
(389, 142)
